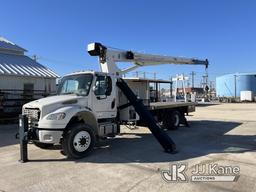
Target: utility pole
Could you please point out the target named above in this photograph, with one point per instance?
(205, 79)
(193, 78)
(171, 87)
(235, 84)
(205, 85)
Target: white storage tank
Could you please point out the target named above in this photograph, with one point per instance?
(231, 85)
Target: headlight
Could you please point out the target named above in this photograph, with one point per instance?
(56, 116)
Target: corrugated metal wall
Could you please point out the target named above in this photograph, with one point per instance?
(17, 83)
(13, 95)
(232, 84)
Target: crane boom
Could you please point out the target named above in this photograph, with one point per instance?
(108, 59)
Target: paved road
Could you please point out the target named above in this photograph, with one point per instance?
(134, 160)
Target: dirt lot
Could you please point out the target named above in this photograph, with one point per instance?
(222, 134)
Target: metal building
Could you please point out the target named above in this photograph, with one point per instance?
(231, 85)
(21, 78)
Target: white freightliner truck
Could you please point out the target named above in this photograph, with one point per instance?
(91, 105)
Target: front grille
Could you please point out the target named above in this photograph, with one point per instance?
(33, 114)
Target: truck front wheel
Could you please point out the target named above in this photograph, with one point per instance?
(78, 141)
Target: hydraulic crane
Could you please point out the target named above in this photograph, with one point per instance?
(108, 59)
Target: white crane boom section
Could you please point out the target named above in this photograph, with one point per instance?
(109, 58)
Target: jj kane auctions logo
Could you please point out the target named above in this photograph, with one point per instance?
(201, 173)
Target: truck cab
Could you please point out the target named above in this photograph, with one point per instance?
(84, 109)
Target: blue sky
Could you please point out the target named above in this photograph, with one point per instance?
(224, 31)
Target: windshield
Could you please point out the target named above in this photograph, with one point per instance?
(75, 84)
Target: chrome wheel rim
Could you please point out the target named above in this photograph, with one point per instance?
(82, 141)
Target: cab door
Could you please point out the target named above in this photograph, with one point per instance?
(104, 97)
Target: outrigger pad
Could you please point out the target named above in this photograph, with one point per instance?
(161, 136)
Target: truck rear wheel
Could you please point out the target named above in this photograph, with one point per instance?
(171, 120)
(78, 141)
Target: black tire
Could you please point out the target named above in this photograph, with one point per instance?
(43, 145)
(172, 120)
(78, 141)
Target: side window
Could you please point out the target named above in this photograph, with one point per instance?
(103, 85)
(100, 86)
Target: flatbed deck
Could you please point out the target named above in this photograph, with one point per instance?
(170, 105)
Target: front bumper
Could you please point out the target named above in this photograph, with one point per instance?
(45, 135)
(48, 132)
(49, 136)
